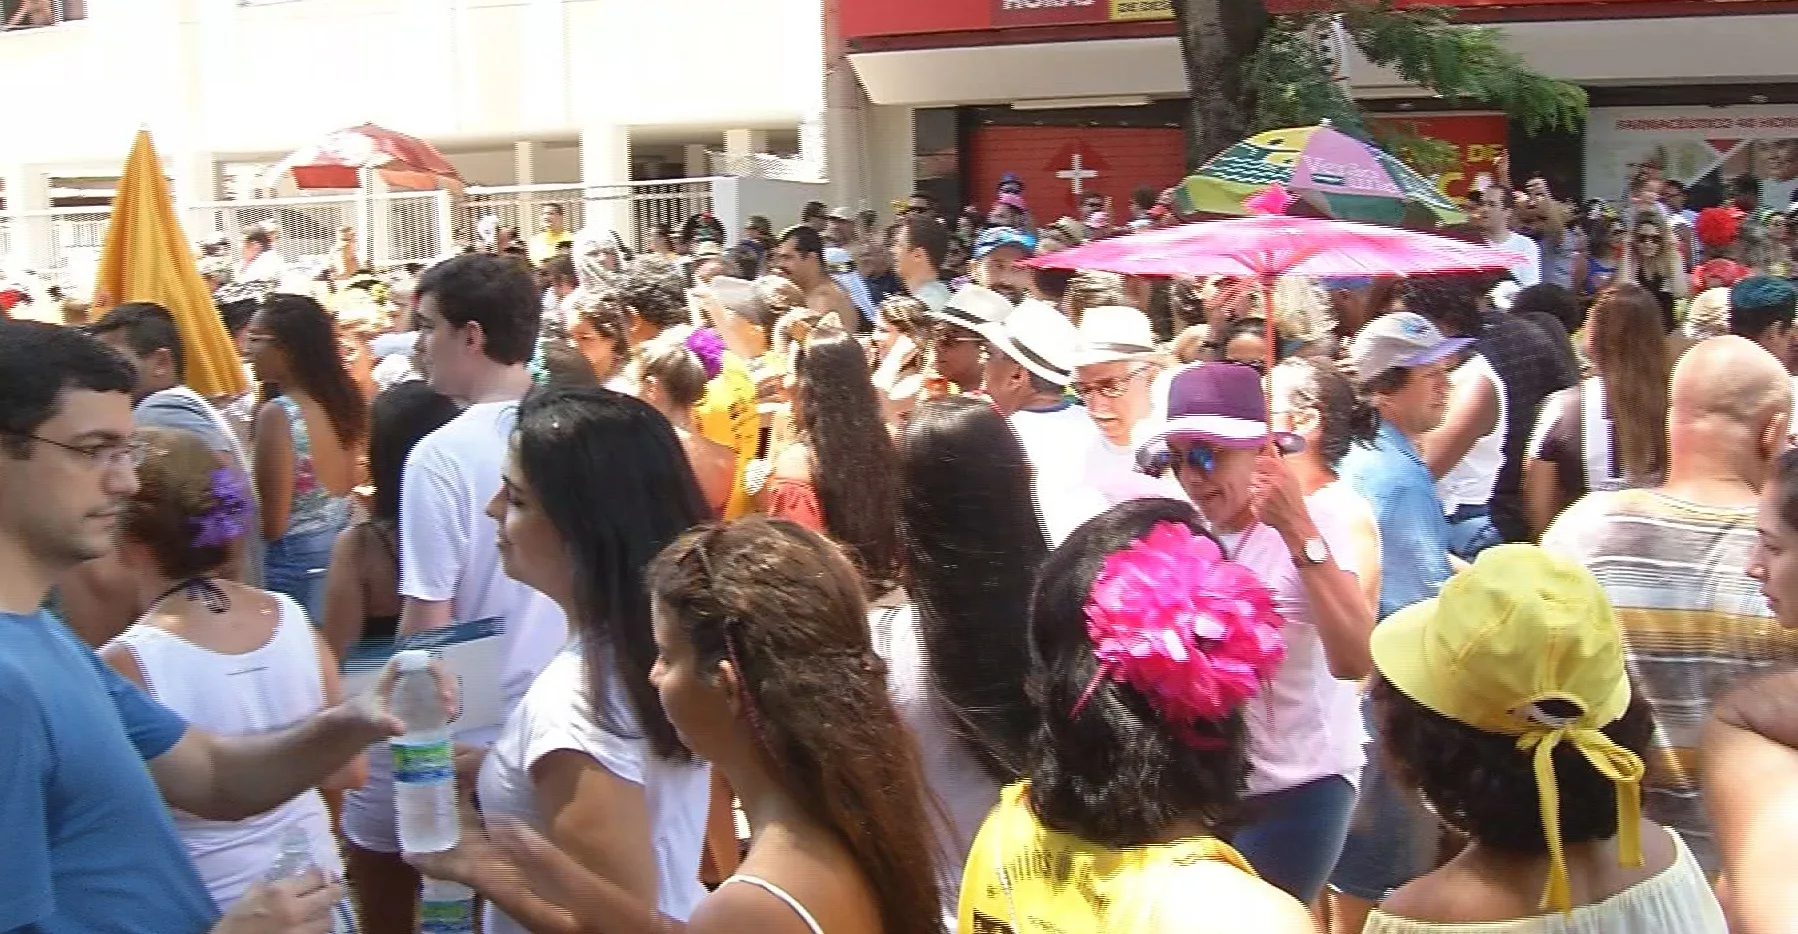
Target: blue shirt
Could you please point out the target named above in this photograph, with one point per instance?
(89, 846)
(1393, 479)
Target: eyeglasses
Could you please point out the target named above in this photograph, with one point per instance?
(1109, 388)
(1259, 366)
(1157, 460)
(128, 453)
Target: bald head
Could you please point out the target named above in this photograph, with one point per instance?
(1729, 379)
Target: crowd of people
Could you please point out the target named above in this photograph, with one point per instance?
(843, 588)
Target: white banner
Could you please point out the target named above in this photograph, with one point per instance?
(1691, 143)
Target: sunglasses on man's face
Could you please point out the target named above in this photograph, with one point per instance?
(1157, 460)
(1109, 388)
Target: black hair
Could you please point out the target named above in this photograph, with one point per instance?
(257, 234)
(812, 211)
(925, 232)
(1674, 184)
(1053, 283)
(565, 366)
(492, 291)
(307, 336)
(1144, 197)
(1364, 423)
(1115, 774)
(236, 315)
(38, 362)
(1785, 480)
(1552, 300)
(1480, 784)
(1753, 321)
(146, 327)
(651, 289)
(1253, 326)
(1328, 393)
(611, 530)
(854, 469)
(1745, 185)
(1451, 301)
(972, 543)
(805, 240)
(399, 419)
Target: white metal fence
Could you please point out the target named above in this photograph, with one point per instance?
(62, 245)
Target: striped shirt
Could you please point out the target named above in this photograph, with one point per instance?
(1694, 624)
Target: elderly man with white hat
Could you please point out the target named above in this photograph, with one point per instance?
(957, 339)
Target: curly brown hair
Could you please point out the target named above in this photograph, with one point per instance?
(174, 488)
(785, 607)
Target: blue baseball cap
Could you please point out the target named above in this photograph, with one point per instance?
(993, 238)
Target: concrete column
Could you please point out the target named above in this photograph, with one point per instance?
(890, 166)
(606, 174)
(739, 145)
(698, 164)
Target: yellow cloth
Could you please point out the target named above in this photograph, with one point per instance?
(727, 414)
(543, 245)
(1021, 876)
(146, 259)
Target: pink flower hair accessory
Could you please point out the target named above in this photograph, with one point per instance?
(1196, 635)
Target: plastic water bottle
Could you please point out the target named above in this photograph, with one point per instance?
(445, 908)
(424, 772)
(295, 858)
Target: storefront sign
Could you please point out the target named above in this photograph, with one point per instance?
(1694, 145)
(1479, 139)
(1008, 13)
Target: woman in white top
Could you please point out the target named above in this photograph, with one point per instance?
(958, 654)
(595, 485)
(1610, 431)
(226, 657)
(1311, 398)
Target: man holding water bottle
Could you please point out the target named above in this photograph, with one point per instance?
(88, 760)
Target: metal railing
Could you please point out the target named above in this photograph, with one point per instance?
(58, 244)
(631, 209)
(391, 228)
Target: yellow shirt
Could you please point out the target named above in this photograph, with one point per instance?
(543, 245)
(727, 414)
(1024, 877)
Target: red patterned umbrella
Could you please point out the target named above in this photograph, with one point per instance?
(340, 160)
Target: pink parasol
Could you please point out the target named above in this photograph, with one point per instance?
(1276, 245)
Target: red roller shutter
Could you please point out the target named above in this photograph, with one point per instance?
(1119, 158)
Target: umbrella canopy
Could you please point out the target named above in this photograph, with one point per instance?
(403, 163)
(1336, 174)
(146, 259)
(1275, 245)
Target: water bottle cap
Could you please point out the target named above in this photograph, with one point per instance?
(412, 660)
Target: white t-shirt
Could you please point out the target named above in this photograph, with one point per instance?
(968, 794)
(448, 544)
(1097, 477)
(556, 714)
(1307, 724)
(268, 266)
(1470, 482)
(1529, 271)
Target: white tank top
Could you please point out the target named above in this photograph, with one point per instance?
(1470, 482)
(265, 689)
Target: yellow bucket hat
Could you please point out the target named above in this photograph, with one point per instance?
(1520, 627)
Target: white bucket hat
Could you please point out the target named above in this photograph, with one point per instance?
(1113, 332)
(1039, 337)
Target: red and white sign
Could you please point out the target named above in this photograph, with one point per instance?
(1049, 12)
(1479, 140)
(1690, 143)
(1052, 161)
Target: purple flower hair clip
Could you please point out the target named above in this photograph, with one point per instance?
(222, 522)
(709, 348)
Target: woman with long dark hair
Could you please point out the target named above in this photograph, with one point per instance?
(767, 670)
(589, 758)
(1145, 645)
(1610, 431)
(839, 477)
(958, 654)
(309, 433)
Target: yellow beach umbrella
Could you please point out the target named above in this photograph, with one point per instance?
(147, 259)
